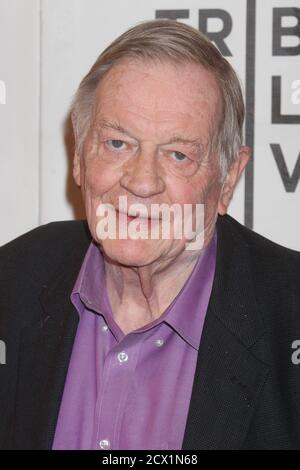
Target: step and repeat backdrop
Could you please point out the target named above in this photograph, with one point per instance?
(47, 46)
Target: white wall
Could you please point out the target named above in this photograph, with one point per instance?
(46, 46)
(19, 117)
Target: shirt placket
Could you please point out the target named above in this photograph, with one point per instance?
(115, 383)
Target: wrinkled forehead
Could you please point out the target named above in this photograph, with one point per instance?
(160, 89)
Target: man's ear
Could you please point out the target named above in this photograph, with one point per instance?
(76, 159)
(232, 179)
(76, 168)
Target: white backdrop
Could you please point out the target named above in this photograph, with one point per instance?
(47, 46)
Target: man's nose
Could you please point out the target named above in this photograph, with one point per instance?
(143, 176)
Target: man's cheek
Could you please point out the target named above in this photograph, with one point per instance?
(100, 178)
(92, 204)
(93, 187)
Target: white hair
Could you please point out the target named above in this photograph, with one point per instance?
(168, 40)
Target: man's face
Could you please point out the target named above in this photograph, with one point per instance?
(149, 141)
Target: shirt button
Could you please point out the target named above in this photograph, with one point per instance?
(123, 356)
(104, 444)
(104, 328)
(159, 342)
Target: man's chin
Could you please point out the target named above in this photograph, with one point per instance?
(132, 252)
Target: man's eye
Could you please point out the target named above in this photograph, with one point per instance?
(178, 156)
(115, 143)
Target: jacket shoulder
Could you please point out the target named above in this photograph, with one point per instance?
(40, 251)
(260, 247)
(274, 276)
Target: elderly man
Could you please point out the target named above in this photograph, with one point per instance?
(152, 342)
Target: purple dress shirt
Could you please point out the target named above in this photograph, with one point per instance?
(132, 391)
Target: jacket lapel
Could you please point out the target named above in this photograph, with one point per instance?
(229, 377)
(45, 352)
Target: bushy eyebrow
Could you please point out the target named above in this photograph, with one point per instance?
(104, 123)
(196, 143)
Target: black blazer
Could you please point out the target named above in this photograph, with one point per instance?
(246, 392)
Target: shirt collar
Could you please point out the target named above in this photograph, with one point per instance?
(185, 314)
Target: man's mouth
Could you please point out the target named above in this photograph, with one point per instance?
(121, 214)
(131, 215)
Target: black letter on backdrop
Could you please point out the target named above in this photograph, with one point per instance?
(217, 37)
(172, 14)
(289, 181)
(277, 117)
(279, 31)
